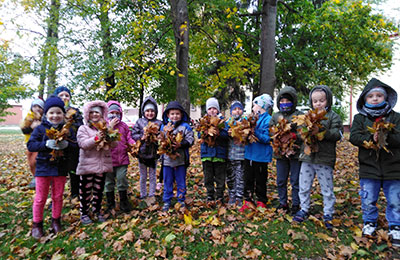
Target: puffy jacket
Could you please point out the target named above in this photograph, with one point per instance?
(260, 151)
(37, 143)
(326, 154)
(288, 116)
(90, 160)
(119, 153)
(387, 165)
(188, 136)
(220, 150)
(78, 121)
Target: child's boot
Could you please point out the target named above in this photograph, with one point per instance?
(124, 203)
(110, 201)
(56, 225)
(37, 230)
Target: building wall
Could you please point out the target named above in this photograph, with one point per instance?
(14, 119)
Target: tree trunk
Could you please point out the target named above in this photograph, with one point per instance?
(106, 45)
(267, 68)
(180, 21)
(53, 43)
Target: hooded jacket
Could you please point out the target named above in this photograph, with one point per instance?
(387, 165)
(119, 153)
(44, 166)
(220, 150)
(288, 90)
(187, 132)
(92, 161)
(326, 154)
(147, 153)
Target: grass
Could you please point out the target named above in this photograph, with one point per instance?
(201, 232)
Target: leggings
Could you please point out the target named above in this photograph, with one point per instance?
(91, 192)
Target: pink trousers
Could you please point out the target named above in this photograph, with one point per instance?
(42, 190)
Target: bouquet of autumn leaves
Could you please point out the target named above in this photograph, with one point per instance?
(209, 128)
(310, 129)
(379, 130)
(62, 134)
(242, 131)
(107, 135)
(282, 142)
(150, 136)
(169, 141)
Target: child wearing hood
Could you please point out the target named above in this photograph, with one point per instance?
(175, 169)
(50, 170)
(214, 158)
(31, 121)
(120, 160)
(257, 155)
(93, 164)
(320, 163)
(235, 169)
(286, 102)
(378, 170)
(147, 152)
(65, 94)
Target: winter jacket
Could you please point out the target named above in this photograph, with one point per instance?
(326, 154)
(387, 165)
(288, 116)
(90, 160)
(260, 151)
(44, 166)
(220, 150)
(147, 152)
(119, 153)
(188, 136)
(235, 151)
(78, 121)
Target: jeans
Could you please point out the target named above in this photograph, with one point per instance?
(369, 194)
(179, 175)
(283, 167)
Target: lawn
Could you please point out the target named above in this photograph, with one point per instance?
(200, 232)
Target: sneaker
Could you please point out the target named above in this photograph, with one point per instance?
(300, 216)
(369, 229)
(166, 206)
(159, 186)
(294, 209)
(85, 220)
(232, 201)
(261, 204)
(245, 206)
(101, 218)
(394, 233)
(328, 222)
(283, 207)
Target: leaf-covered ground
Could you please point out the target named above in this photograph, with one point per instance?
(201, 232)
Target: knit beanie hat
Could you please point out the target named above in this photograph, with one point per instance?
(38, 102)
(96, 109)
(61, 89)
(212, 102)
(264, 101)
(376, 89)
(236, 104)
(114, 107)
(287, 96)
(53, 101)
(149, 106)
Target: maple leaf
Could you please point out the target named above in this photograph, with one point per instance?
(209, 128)
(108, 135)
(311, 129)
(283, 142)
(169, 141)
(381, 129)
(242, 131)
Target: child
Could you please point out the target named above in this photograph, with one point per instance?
(147, 152)
(175, 169)
(376, 103)
(48, 170)
(93, 164)
(322, 162)
(120, 159)
(31, 121)
(234, 177)
(214, 158)
(65, 95)
(286, 102)
(257, 155)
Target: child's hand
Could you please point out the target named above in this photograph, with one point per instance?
(114, 122)
(230, 131)
(51, 144)
(63, 144)
(35, 124)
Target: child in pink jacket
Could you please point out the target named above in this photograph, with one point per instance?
(93, 164)
(120, 160)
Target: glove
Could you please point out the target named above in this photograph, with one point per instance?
(185, 144)
(51, 144)
(63, 144)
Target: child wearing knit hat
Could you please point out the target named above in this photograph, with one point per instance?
(50, 170)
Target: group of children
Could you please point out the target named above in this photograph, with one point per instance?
(244, 168)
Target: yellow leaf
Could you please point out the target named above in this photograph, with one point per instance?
(172, 72)
(181, 75)
(357, 231)
(188, 219)
(325, 237)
